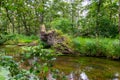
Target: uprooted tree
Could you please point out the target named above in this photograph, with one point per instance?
(56, 40)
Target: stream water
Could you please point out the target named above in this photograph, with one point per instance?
(79, 68)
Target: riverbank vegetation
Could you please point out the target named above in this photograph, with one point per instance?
(46, 28)
(99, 47)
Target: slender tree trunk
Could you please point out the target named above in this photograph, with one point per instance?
(25, 25)
(37, 21)
(18, 21)
(72, 14)
(119, 23)
(11, 21)
(41, 18)
(110, 11)
(98, 16)
(18, 28)
(42, 13)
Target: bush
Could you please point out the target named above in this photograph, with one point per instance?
(97, 47)
(26, 39)
(5, 37)
(113, 49)
(41, 63)
(106, 28)
(62, 24)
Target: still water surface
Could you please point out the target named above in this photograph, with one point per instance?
(79, 68)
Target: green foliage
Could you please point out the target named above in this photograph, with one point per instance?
(63, 43)
(25, 39)
(34, 54)
(7, 61)
(38, 51)
(17, 38)
(97, 47)
(62, 24)
(5, 37)
(3, 73)
(44, 55)
(100, 20)
(106, 28)
(114, 49)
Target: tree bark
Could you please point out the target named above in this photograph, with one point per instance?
(52, 38)
(111, 11)
(18, 28)
(25, 24)
(98, 16)
(42, 13)
(11, 21)
(119, 23)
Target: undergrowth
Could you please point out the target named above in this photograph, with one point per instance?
(102, 47)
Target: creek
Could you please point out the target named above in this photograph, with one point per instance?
(78, 68)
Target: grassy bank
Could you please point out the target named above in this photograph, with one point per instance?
(22, 39)
(101, 47)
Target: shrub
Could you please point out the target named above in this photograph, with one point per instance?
(113, 49)
(105, 28)
(62, 24)
(18, 38)
(97, 47)
(36, 68)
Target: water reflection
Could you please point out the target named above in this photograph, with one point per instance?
(88, 68)
(71, 76)
(32, 61)
(50, 77)
(83, 76)
(95, 68)
(116, 76)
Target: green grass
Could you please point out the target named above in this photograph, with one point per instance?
(97, 47)
(26, 39)
(17, 38)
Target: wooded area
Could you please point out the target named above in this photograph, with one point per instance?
(59, 39)
(77, 17)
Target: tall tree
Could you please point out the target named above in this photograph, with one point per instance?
(119, 18)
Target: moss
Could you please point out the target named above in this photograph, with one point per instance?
(63, 43)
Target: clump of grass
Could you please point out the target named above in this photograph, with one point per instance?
(97, 47)
(19, 38)
(113, 49)
(26, 39)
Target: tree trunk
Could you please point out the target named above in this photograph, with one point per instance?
(111, 11)
(37, 21)
(25, 25)
(18, 28)
(58, 42)
(42, 13)
(73, 15)
(11, 21)
(119, 23)
(98, 16)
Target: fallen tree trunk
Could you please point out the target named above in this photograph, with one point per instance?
(55, 40)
